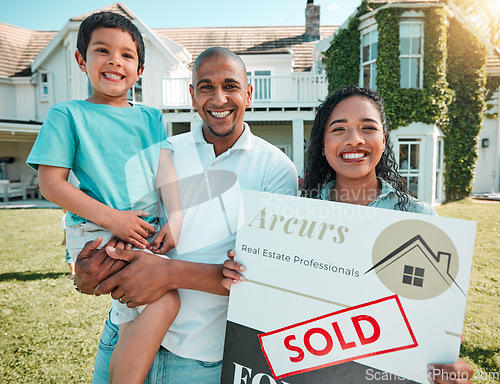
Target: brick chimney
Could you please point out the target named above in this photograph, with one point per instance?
(312, 22)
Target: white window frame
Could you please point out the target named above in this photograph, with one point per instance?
(44, 81)
(414, 56)
(407, 172)
(439, 188)
(371, 62)
(132, 92)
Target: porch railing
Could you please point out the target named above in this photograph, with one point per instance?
(295, 90)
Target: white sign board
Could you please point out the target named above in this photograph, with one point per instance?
(344, 293)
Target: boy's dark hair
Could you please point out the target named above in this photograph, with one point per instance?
(318, 172)
(108, 20)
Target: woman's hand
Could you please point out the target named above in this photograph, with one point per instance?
(456, 373)
(232, 271)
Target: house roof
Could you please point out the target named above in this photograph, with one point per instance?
(119, 8)
(493, 65)
(249, 40)
(18, 47)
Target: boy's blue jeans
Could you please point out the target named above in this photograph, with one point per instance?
(167, 367)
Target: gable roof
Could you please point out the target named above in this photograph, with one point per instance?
(119, 8)
(249, 40)
(18, 47)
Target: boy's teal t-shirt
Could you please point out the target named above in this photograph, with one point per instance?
(114, 152)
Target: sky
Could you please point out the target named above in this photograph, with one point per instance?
(52, 15)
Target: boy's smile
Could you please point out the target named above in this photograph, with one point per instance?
(112, 66)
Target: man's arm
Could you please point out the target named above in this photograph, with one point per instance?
(148, 277)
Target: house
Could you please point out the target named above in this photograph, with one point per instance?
(415, 271)
(422, 84)
(286, 66)
(38, 70)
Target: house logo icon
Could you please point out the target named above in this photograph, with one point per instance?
(416, 260)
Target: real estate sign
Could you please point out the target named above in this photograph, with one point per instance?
(344, 293)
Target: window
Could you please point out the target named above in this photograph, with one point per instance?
(438, 194)
(90, 91)
(369, 43)
(409, 163)
(261, 81)
(44, 86)
(135, 93)
(411, 53)
(413, 276)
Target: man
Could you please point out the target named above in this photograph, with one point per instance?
(213, 164)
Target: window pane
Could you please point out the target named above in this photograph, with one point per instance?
(416, 30)
(373, 51)
(405, 72)
(405, 29)
(373, 46)
(366, 53)
(404, 38)
(404, 46)
(138, 91)
(366, 76)
(366, 39)
(44, 77)
(403, 157)
(416, 43)
(414, 156)
(373, 81)
(414, 73)
(262, 73)
(413, 186)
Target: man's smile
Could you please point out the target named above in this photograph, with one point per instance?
(219, 114)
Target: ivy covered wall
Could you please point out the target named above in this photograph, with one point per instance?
(467, 77)
(453, 96)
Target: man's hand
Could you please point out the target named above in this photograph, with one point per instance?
(93, 266)
(145, 279)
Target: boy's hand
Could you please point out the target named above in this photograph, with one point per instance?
(129, 227)
(231, 271)
(164, 241)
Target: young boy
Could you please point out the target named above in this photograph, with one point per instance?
(120, 154)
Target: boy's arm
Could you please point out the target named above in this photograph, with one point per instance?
(126, 225)
(167, 185)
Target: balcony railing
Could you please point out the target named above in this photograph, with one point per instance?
(296, 90)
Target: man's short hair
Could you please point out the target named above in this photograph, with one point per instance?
(108, 20)
(214, 52)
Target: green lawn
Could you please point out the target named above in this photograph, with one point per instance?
(50, 332)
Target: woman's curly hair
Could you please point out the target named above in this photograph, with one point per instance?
(318, 172)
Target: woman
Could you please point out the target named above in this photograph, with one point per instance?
(350, 157)
(350, 160)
